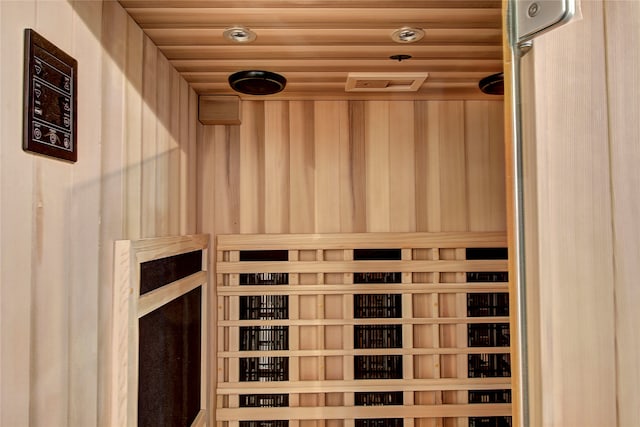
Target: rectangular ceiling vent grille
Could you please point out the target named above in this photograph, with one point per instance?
(385, 82)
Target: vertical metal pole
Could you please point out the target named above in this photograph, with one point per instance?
(518, 210)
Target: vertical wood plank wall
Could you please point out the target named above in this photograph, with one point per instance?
(135, 178)
(582, 210)
(359, 166)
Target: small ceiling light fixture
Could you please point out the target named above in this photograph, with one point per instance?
(407, 35)
(239, 34)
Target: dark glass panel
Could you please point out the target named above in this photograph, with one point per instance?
(169, 363)
(157, 273)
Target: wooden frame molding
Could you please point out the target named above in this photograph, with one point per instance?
(129, 307)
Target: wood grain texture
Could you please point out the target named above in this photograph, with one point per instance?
(574, 225)
(50, 300)
(16, 232)
(312, 42)
(59, 220)
(361, 166)
(622, 41)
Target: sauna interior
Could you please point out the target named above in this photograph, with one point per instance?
(383, 300)
(346, 251)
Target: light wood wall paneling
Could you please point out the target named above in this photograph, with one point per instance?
(186, 155)
(252, 167)
(116, 96)
(363, 166)
(206, 178)
(452, 148)
(84, 216)
(133, 112)
(575, 217)
(357, 167)
(50, 309)
(485, 165)
(302, 167)
(421, 166)
(327, 166)
(227, 178)
(377, 161)
(432, 165)
(162, 85)
(402, 150)
(622, 61)
(174, 159)
(276, 167)
(149, 138)
(16, 232)
(347, 172)
(190, 218)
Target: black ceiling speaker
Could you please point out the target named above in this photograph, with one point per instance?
(256, 82)
(493, 84)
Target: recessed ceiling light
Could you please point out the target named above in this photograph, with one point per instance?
(407, 35)
(239, 35)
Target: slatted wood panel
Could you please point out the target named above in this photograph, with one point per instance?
(320, 291)
(59, 220)
(355, 167)
(316, 43)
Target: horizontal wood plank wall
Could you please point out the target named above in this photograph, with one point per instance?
(135, 177)
(360, 166)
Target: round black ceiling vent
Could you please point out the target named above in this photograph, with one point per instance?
(493, 84)
(256, 82)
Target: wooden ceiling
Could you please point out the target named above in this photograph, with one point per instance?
(316, 43)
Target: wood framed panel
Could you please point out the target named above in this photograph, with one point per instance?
(151, 277)
(296, 303)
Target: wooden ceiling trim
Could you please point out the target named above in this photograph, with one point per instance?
(330, 52)
(336, 87)
(336, 76)
(477, 4)
(423, 95)
(320, 65)
(310, 37)
(320, 18)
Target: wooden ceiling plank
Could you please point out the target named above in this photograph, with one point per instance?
(319, 66)
(312, 37)
(313, 77)
(431, 94)
(320, 18)
(496, 4)
(330, 52)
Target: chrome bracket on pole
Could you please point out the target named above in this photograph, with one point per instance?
(534, 17)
